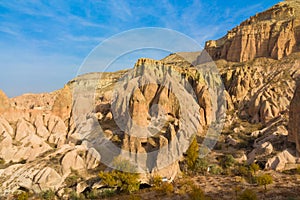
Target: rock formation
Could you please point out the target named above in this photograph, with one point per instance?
(294, 123)
(149, 114)
(272, 34)
(4, 102)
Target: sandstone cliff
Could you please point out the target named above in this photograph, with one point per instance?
(4, 102)
(273, 33)
(294, 123)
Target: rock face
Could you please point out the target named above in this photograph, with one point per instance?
(4, 102)
(42, 101)
(62, 105)
(151, 106)
(279, 162)
(273, 33)
(294, 123)
(261, 89)
(72, 161)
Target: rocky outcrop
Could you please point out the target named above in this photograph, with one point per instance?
(273, 33)
(294, 122)
(26, 139)
(62, 105)
(42, 101)
(4, 102)
(261, 89)
(262, 150)
(159, 108)
(72, 161)
(49, 171)
(280, 161)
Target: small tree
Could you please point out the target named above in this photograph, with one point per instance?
(22, 196)
(227, 161)
(215, 169)
(254, 168)
(247, 194)
(201, 165)
(197, 194)
(192, 154)
(48, 195)
(264, 180)
(126, 181)
(298, 170)
(156, 181)
(166, 188)
(242, 171)
(236, 189)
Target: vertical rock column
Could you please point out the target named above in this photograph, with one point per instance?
(294, 122)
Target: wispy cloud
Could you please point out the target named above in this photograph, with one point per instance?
(82, 38)
(9, 31)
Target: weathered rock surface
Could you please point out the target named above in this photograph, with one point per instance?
(156, 112)
(273, 33)
(72, 161)
(294, 123)
(261, 89)
(280, 160)
(4, 102)
(62, 106)
(42, 101)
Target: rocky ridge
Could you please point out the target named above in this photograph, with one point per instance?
(273, 34)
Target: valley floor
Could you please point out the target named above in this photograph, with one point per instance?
(284, 187)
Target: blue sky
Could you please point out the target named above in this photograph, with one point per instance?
(43, 43)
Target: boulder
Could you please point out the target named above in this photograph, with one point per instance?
(262, 150)
(279, 161)
(92, 159)
(24, 129)
(48, 179)
(72, 161)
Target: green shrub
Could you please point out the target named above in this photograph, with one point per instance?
(247, 194)
(215, 170)
(192, 154)
(123, 180)
(227, 161)
(201, 165)
(108, 193)
(103, 193)
(72, 180)
(242, 171)
(156, 181)
(22, 196)
(166, 188)
(298, 170)
(48, 195)
(134, 197)
(254, 168)
(93, 194)
(75, 196)
(197, 194)
(264, 180)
